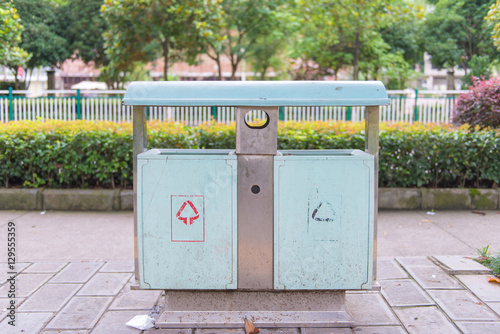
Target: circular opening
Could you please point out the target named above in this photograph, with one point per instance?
(256, 119)
(255, 189)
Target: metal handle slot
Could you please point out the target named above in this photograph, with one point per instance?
(260, 142)
(256, 119)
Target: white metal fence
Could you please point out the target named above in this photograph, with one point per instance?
(405, 106)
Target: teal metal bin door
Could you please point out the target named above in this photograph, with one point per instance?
(323, 220)
(187, 219)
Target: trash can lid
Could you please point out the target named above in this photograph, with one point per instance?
(256, 93)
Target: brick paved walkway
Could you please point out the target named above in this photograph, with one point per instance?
(445, 294)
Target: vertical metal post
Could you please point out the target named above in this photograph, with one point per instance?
(372, 147)
(139, 146)
(11, 106)
(255, 148)
(282, 114)
(214, 113)
(349, 114)
(78, 105)
(415, 110)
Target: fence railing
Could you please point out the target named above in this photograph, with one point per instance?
(407, 106)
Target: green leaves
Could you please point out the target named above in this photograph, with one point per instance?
(493, 18)
(144, 30)
(455, 32)
(42, 35)
(87, 154)
(11, 54)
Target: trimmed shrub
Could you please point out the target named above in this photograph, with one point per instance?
(480, 107)
(83, 154)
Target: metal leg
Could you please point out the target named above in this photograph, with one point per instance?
(372, 147)
(139, 146)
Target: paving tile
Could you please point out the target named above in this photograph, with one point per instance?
(5, 269)
(5, 303)
(462, 305)
(45, 267)
(479, 327)
(277, 331)
(461, 265)
(479, 285)
(25, 323)
(379, 330)
(169, 331)
(325, 331)
(118, 267)
(81, 331)
(105, 284)
(414, 261)
(80, 313)
(129, 299)
(495, 307)
(77, 272)
(242, 331)
(433, 277)
(388, 268)
(26, 284)
(425, 320)
(369, 309)
(114, 322)
(404, 292)
(218, 331)
(50, 297)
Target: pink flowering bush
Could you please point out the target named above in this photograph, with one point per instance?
(480, 107)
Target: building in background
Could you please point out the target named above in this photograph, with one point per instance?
(436, 79)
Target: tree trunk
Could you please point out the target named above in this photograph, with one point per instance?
(355, 71)
(235, 60)
(165, 60)
(51, 81)
(264, 71)
(234, 67)
(450, 80)
(219, 70)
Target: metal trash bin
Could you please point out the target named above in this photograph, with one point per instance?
(323, 219)
(187, 219)
(264, 224)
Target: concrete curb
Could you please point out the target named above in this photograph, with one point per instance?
(438, 199)
(122, 200)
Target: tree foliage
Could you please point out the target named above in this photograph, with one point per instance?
(175, 29)
(248, 27)
(493, 19)
(42, 34)
(11, 54)
(84, 28)
(455, 32)
(366, 36)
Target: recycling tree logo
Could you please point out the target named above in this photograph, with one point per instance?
(187, 212)
(187, 218)
(324, 212)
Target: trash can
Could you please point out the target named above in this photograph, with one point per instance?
(255, 222)
(187, 219)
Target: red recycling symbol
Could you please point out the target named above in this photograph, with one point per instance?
(185, 218)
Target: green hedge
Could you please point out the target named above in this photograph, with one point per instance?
(87, 154)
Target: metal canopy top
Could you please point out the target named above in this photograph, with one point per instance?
(256, 93)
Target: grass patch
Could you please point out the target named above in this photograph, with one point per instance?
(486, 259)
